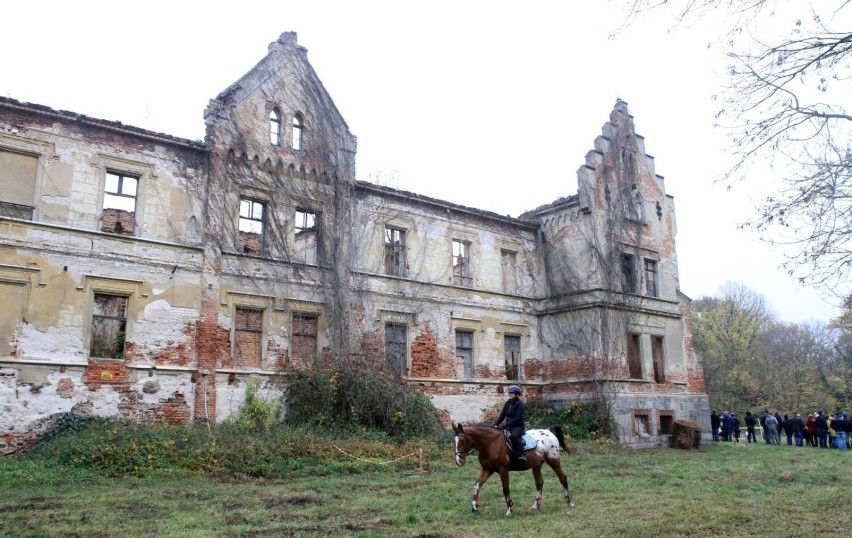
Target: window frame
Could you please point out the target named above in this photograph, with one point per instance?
(513, 363)
(298, 132)
(397, 362)
(462, 273)
(469, 358)
(302, 315)
(122, 328)
(15, 209)
(250, 219)
(275, 126)
(628, 272)
(261, 332)
(651, 271)
(395, 251)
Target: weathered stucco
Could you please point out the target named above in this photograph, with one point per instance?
(214, 299)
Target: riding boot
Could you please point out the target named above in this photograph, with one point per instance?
(520, 457)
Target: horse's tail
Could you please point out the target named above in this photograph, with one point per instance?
(557, 431)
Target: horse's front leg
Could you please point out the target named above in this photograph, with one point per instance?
(504, 478)
(483, 476)
(539, 486)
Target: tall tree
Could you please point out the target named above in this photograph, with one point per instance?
(786, 105)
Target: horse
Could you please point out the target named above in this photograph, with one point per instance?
(495, 457)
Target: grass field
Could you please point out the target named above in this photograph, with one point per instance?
(725, 490)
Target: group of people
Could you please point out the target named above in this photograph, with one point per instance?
(817, 430)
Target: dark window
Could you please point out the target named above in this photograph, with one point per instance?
(298, 132)
(461, 264)
(109, 323)
(641, 425)
(508, 263)
(628, 273)
(251, 225)
(394, 251)
(651, 278)
(464, 349)
(659, 363)
(666, 422)
(275, 127)
(305, 244)
(248, 337)
(17, 184)
(634, 360)
(119, 210)
(512, 349)
(396, 347)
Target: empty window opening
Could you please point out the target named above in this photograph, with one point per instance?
(298, 132)
(512, 349)
(119, 210)
(508, 261)
(634, 361)
(109, 323)
(394, 251)
(248, 337)
(659, 362)
(628, 273)
(303, 341)
(666, 422)
(17, 184)
(651, 278)
(306, 237)
(250, 236)
(464, 350)
(275, 127)
(640, 424)
(396, 347)
(461, 264)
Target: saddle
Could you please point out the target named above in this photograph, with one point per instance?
(527, 441)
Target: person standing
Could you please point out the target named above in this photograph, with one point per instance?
(513, 414)
(841, 427)
(772, 430)
(831, 433)
(821, 429)
(785, 427)
(810, 431)
(727, 426)
(750, 423)
(736, 427)
(714, 425)
(798, 427)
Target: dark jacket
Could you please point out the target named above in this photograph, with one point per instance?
(513, 412)
(821, 423)
(750, 421)
(796, 424)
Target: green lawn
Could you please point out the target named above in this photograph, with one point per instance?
(726, 490)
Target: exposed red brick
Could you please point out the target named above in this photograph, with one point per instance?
(107, 372)
(65, 387)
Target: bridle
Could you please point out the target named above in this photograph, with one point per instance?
(462, 441)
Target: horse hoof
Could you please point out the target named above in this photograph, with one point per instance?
(571, 504)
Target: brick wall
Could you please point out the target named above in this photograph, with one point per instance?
(118, 221)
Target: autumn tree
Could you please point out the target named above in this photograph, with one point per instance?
(786, 106)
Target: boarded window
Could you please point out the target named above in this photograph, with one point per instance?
(464, 350)
(394, 251)
(512, 350)
(628, 273)
(461, 264)
(508, 263)
(651, 278)
(248, 337)
(17, 184)
(303, 342)
(275, 127)
(109, 323)
(119, 211)
(306, 236)
(251, 225)
(659, 362)
(634, 360)
(396, 347)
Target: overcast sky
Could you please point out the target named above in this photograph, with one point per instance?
(486, 104)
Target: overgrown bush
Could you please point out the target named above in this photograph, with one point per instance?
(348, 400)
(256, 413)
(580, 420)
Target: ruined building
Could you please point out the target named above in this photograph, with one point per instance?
(154, 278)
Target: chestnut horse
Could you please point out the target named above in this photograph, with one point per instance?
(494, 457)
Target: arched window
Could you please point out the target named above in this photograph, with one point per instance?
(298, 131)
(275, 127)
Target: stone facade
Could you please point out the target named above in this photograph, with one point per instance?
(154, 277)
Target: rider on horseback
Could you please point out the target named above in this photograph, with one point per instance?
(513, 413)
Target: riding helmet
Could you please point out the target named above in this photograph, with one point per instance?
(514, 389)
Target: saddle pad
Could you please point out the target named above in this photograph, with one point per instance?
(528, 441)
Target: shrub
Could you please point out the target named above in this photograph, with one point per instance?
(347, 400)
(580, 420)
(256, 413)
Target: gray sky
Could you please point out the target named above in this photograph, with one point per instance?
(487, 104)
